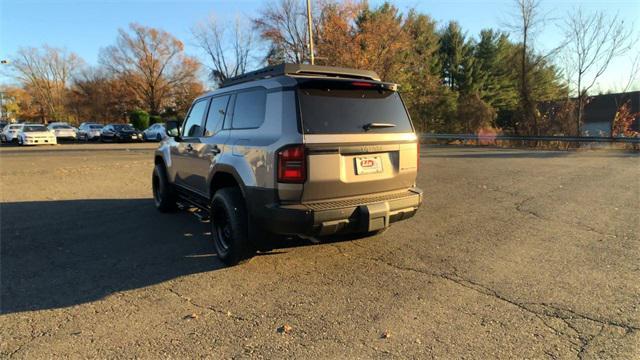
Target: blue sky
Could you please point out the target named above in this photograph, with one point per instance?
(85, 26)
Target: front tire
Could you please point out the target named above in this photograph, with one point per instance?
(164, 196)
(229, 228)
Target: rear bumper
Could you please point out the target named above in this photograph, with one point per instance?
(351, 215)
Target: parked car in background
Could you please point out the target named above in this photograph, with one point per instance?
(89, 131)
(10, 133)
(36, 134)
(2, 125)
(120, 133)
(155, 132)
(63, 131)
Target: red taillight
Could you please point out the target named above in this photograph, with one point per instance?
(292, 164)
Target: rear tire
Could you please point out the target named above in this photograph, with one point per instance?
(164, 196)
(229, 228)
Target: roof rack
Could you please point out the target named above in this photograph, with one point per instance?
(302, 69)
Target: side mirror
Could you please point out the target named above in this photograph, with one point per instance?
(173, 129)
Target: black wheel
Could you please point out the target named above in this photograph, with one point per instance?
(164, 196)
(158, 137)
(229, 226)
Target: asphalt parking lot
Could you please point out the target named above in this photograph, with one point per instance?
(514, 254)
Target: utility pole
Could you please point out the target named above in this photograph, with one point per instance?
(2, 106)
(3, 114)
(310, 22)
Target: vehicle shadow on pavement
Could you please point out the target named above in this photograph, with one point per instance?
(62, 253)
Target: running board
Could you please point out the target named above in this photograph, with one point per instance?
(193, 204)
(197, 211)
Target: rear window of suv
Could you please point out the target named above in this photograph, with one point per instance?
(345, 107)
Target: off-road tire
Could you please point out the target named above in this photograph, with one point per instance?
(164, 196)
(229, 228)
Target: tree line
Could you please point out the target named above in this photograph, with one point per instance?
(451, 81)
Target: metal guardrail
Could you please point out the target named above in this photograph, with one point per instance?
(585, 139)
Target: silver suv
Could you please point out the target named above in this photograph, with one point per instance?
(291, 149)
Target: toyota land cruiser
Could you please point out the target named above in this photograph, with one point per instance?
(291, 149)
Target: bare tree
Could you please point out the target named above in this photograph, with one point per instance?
(151, 62)
(284, 26)
(594, 40)
(527, 22)
(229, 52)
(634, 71)
(46, 74)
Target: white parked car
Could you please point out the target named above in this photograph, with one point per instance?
(63, 131)
(89, 131)
(36, 134)
(10, 133)
(155, 132)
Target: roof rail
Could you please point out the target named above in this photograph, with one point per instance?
(302, 69)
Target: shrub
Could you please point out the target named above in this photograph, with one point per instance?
(139, 119)
(474, 114)
(153, 119)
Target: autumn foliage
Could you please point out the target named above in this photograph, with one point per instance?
(623, 121)
(450, 81)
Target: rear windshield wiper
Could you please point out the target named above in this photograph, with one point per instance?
(370, 126)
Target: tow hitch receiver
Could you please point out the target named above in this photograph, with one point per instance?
(375, 216)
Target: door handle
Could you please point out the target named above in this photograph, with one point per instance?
(189, 148)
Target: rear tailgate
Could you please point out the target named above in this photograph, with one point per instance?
(359, 139)
(352, 165)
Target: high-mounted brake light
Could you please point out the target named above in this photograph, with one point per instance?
(363, 84)
(292, 164)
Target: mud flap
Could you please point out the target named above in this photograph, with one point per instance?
(375, 216)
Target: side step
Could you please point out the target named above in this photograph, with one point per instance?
(197, 211)
(193, 203)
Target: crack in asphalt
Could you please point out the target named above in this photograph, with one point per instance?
(206, 307)
(519, 207)
(550, 310)
(561, 333)
(33, 338)
(586, 341)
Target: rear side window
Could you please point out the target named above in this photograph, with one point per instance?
(215, 117)
(329, 107)
(248, 112)
(193, 123)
